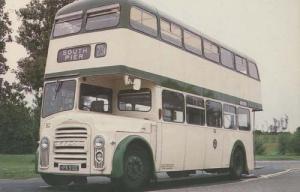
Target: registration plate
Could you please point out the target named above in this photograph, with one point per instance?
(69, 167)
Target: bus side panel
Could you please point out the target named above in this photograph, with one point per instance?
(230, 137)
(195, 147)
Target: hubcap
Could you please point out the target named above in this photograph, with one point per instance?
(135, 168)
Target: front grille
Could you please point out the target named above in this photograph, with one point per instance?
(71, 145)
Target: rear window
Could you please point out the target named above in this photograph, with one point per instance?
(103, 17)
(68, 24)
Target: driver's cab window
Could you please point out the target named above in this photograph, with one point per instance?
(95, 99)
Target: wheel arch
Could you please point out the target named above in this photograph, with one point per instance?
(240, 145)
(119, 154)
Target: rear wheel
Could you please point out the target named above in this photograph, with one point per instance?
(237, 164)
(56, 180)
(137, 170)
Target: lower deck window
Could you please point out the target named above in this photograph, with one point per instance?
(214, 114)
(229, 117)
(96, 99)
(244, 119)
(173, 106)
(131, 100)
(195, 112)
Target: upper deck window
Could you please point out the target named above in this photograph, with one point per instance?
(253, 72)
(103, 17)
(171, 32)
(68, 24)
(192, 42)
(227, 58)
(211, 51)
(241, 64)
(143, 21)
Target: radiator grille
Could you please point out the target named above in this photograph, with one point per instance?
(71, 145)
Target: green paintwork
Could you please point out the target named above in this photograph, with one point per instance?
(118, 159)
(158, 79)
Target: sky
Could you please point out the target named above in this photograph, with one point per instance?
(266, 30)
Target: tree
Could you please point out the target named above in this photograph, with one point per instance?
(16, 129)
(296, 142)
(4, 36)
(34, 34)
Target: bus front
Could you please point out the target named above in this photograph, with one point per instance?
(89, 104)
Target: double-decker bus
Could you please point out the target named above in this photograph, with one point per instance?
(130, 91)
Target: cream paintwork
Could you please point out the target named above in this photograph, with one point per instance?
(111, 128)
(175, 146)
(161, 57)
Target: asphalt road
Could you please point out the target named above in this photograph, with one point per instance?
(280, 176)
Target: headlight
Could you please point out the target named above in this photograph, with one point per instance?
(44, 143)
(44, 152)
(99, 144)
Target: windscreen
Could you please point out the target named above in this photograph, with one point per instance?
(58, 96)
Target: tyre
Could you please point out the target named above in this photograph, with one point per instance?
(137, 170)
(178, 174)
(237, 164)
(56, 180)
(80, 180)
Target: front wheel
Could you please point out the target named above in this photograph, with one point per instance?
(56, 180)
(137, 170)
(237, 164)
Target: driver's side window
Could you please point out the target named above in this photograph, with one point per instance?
(95, 99)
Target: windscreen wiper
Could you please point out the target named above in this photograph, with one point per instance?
(58, 87)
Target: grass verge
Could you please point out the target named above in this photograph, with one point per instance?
(276, 157)
(17, 166)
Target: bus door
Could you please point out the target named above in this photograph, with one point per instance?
(172, 131)
(215, 135)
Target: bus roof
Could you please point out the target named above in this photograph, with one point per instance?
(83, 5)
